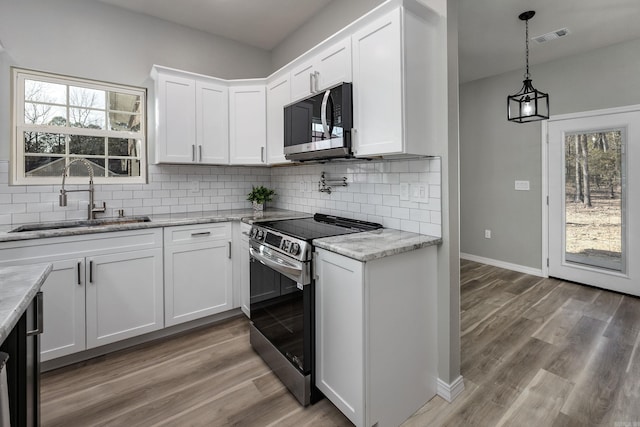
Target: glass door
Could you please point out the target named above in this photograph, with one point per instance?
(592, 198)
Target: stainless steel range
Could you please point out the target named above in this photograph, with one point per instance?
(283, 295)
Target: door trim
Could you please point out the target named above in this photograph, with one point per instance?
(545, 166)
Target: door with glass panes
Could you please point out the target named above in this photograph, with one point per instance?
(594, 199)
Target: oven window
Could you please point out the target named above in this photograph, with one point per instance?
(277, 311)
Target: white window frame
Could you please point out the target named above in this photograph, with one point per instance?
(18, 176)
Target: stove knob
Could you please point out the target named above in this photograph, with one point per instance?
(286, 244)
(252, 233)
(295, 249)
(259, 235)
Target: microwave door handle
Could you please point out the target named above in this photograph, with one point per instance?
(333, 118)
(323, 115)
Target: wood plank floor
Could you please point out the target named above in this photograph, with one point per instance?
(535, 352)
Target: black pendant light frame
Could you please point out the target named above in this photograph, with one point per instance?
(529, 104)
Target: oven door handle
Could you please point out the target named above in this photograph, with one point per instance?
(278, 264)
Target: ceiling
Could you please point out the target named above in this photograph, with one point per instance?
(491, 37)
(259, 23)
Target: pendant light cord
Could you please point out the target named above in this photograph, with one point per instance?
(526, 41)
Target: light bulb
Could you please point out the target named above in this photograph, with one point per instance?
(527, 109)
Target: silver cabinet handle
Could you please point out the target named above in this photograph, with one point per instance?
(311, 82)
(79, 279)
(229, 249)
(90, 271)
(201, 234)
(193, 152)
(200, 153)
(262, 154)
(38, 301)
(316, 77)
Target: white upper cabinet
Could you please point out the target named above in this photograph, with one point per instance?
(399, 85)
(278, 95)
(176, 119)
(212, 122)
(325, 69)
(247, 124)
(192, 123)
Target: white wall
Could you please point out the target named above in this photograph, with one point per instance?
(94, 40)
(494, 152)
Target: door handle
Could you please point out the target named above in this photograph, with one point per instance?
(323, 115)
(193, 152)
(229, 249)
(90, 271)
(316, 77)
(310, 82)
(200, 153)
(262, 154)
(201, 234)
(38, 301)
(78, 271)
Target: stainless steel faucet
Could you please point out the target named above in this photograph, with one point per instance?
(92, 210)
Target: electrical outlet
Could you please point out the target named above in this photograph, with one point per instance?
(487, 234)
(522, 185)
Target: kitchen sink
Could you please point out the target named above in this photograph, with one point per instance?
(44, 226)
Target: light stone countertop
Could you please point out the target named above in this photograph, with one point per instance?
(18, 286)
(165, 220)
(376, 244)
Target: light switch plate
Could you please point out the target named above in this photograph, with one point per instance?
(522, 185)
(419, 193)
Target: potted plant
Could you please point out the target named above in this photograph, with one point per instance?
(259, 196)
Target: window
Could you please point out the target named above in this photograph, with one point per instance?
(58, 119)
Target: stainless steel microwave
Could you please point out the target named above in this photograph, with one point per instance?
(319, 127)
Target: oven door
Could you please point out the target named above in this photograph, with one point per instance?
(281, 304)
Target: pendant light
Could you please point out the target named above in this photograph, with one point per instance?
(529, 104)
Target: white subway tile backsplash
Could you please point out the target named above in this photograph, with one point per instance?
(373, 193)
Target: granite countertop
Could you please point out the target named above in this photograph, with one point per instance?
(165, 220)
(376, 244)
(18, 286)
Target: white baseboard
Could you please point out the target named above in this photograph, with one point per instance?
(496, 263)
(449, 392)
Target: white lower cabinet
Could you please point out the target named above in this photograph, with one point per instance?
(198, 271)
(376, 357)
(104, 287)
(64, 298)
(123, 295)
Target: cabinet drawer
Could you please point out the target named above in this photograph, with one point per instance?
(197, 233)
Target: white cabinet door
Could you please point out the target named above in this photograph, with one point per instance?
(302, 80)
(328, 68)
(176, 119)
(64, 309)
(197, 281)
(340, 333)
(377, 87)
(278, 95)
(123, 295)
(334, 65)
(247, 125)
(212, 123)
